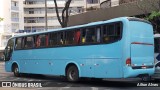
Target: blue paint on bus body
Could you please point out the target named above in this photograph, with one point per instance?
(95, 61)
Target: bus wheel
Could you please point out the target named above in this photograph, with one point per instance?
(146, 78)
(16, 71)
(72, 74)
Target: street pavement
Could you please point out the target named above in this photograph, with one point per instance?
(59, 83)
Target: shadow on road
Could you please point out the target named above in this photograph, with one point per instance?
(120, 83)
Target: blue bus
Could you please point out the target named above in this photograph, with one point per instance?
(117, 48)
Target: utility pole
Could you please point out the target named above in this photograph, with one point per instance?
(46, 22)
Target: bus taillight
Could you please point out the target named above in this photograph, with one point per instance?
(128, 62)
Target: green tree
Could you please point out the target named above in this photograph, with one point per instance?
(154, 18)
(1, 19)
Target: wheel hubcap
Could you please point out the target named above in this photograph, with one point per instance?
(16, 71)
(72, 75)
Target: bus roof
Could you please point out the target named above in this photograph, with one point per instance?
(138, 19)
(84, 25)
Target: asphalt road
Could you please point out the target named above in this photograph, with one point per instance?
(59, 83)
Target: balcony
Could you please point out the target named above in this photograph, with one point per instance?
(41, 15)
(14, 8)
(15, 19)
(50, 23)
(26, 31)
(41, 5)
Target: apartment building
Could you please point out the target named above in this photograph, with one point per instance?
(34, 13)
(12, 12)
(100, 3)
(27, 16)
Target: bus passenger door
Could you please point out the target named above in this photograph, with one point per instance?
(9, 50)
(8, 54)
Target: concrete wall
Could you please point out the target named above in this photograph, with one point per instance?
(128, 9)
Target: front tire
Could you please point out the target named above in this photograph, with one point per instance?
(72, 74)
(16, 71)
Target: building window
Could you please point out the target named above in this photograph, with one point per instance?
(92, 1)
(31, 12)
(15, 4)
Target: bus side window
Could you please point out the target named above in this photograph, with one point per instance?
(83, 36)
(77, 35)
(47, 40)
(60, 38)
(52, 39)
(42, 41)
(69, 37)
(38, 41)
(98, 32)
(29, 42)
(23, 42)
(117, 31)
(18, 44)
(111, 32)
(90, 35)
(104, 36)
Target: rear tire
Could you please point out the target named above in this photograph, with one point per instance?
(16, 71)
(146, 78)
(72, 74)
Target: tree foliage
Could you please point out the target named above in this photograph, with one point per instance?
(63, 19)
(153, 15)
(154, 18)
(1, 19)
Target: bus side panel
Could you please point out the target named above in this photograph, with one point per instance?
(108, 61)
(98, 61)
(41, 61)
